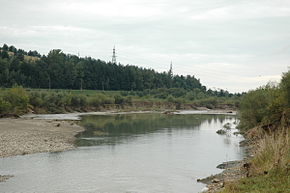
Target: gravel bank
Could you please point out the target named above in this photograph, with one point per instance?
(26, 136)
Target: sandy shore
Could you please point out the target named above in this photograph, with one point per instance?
(26, 136)
(77, 116)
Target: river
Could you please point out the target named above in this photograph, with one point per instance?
(129, 153)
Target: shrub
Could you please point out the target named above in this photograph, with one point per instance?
(255, 105)
(207, 102)
(35, 99)
(79, 101)
(94, 101)
(170, 99)
(18, 98)
(285, 86)
(4, 106)
(119, 99)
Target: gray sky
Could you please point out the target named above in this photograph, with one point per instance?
(235, 45)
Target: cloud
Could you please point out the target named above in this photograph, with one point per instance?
(237, 45)
(248, 10)
(113, 9)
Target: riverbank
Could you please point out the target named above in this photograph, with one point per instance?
(26, 136)
(266, 165)
(232, 171)
(77, 116)
(35, 133)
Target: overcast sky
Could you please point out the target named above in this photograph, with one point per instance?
(235, 45)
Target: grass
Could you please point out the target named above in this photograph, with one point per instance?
(274, 182)
(270, 167)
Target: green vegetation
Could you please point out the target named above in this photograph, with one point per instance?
(267, 106)
(64, 71)
(14, 100)
(61, 101)
(62, 82)
(264, 115)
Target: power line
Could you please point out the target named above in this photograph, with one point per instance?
(114, 57)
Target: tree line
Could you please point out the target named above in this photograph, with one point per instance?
(58, 70)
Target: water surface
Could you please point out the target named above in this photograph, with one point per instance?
(140, 153)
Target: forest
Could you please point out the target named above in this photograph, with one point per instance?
(62, 82)
(58, 70)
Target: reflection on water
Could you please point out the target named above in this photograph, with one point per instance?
(140, 153)
(122, 128)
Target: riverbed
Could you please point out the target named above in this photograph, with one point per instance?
(122, 153)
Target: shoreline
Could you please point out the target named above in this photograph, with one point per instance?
(39, 133)
(77, 115)
(36, 133)
(27, 136)
(231, 172)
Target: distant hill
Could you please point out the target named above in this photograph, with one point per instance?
(58, 70)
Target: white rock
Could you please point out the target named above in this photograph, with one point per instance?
(205, 189)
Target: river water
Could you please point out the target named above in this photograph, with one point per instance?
(134, 153)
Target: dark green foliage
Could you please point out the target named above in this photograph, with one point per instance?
(63, 71)
(4, 54)
(33, 53)
(5, 47)
(119, 99)
(285, 86)
(58, 71)
(79, 101)
(268, 105)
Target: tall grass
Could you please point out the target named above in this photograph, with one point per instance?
(269, 170)
(272, 152)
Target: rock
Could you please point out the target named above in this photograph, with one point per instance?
(229, 164)
(236, 133)
(221, 132)
(205, 189)
(168, 113)
(247, 165)
(215, 180)
(3, 178)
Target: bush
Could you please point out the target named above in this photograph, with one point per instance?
(252, 108)
(35, 99)
(18, 98)
(104, 99)
(128, 100)
(207, 102)
(285, 86)
(119, 99)
(170, 99)
(95, 101)
(79, 101)
(4, 106)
